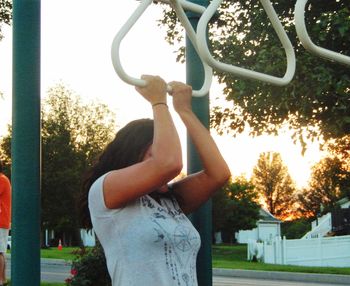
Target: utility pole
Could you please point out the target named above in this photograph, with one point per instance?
(25, 253)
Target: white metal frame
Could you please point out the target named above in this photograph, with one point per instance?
(199, 41)
(206, 55)
(299, 18)
(179, 6)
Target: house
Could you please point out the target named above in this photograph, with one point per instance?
(268, 227)
(333, 223)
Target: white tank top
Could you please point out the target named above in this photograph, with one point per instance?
(145, 243)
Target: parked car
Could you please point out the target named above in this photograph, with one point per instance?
(9, 242)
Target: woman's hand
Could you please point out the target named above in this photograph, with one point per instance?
(182, 94)
(155, 91)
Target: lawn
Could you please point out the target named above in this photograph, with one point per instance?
(235, 257)
(67, 253)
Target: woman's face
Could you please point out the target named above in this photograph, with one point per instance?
(148, 154)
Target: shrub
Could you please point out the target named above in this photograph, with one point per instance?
(295, 229)
(89, 268)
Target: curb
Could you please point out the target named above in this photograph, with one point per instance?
(290, 276)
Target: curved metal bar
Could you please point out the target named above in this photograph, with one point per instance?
(206, 55)
(130, 23)
(187, 5)
(117, 41)
(208, 72)
(299, 18)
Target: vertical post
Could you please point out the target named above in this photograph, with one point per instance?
(201, 219)
(25, 255)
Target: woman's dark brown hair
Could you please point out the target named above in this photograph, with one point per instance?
(127, 148)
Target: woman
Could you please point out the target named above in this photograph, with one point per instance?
(138, 217)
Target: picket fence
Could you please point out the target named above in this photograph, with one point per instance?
(323, 251)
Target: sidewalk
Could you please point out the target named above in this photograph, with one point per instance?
(270, 275)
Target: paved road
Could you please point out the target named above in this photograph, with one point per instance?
(49, 272)
(230, 281)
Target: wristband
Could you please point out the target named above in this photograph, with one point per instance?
(159, 103)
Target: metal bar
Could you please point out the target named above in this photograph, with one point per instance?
(191, 34)
(25, 254)
(177, 5)
(299, 18)
(209, 59)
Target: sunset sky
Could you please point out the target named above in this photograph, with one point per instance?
(76, 42)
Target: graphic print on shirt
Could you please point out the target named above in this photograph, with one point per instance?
(179, 238)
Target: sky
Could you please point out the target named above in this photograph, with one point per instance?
(76, 38)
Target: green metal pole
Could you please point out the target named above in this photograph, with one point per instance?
(201, 219)
(25, 254)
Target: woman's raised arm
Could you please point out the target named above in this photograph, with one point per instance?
(161, 162)
(196, 189)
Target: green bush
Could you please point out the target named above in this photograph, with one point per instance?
(295, 229)
(89, 268)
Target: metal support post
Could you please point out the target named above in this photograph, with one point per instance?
(201, 219)
(25, 254)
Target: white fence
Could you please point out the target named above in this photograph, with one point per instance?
(264, 231)
(326, 251)
(320, 227)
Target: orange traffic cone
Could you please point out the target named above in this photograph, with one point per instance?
(59, 245)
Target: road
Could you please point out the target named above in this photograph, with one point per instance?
(49, 272)
(230, 281)
(59, 272)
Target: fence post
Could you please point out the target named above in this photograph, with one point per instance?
(284, 251)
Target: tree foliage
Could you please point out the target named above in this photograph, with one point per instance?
(295, 229)
(315, 102)
(5, 14)
(73, 133)
(329, 182)
(235, 207)
(275, 186)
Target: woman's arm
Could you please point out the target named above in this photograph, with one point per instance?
(162, 162)
(196, 189)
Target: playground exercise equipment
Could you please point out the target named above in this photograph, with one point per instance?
(206, 55)
(179, 8)
(305, 40)
(199, 41)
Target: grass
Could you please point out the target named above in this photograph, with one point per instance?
(235, 257)
(67, 253)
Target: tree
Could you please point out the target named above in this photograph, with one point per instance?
(5, 14)
(5, 152)
(340, 148)
(73, 134)
(329, 182)
(295, 229)
(316, 103)
(235, 207)
(274, 184)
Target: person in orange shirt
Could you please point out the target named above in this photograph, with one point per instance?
(5, 221)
